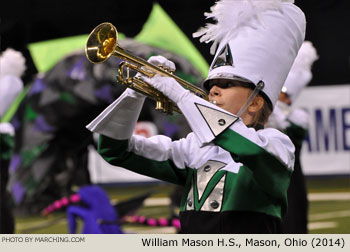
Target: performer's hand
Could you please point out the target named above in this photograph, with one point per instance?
(166, 85)
(161, 61)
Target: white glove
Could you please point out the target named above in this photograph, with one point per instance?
(162, 61)
(157, 61)
(168, 86)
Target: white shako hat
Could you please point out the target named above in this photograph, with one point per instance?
(257, 41)
(300, 74)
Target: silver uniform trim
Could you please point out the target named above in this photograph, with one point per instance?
(205, 173)
(214, 201)
(190, 200)
(217, 121)
(227, 76)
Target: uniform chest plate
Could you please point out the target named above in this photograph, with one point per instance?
(207, 188)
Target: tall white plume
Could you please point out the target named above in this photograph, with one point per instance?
(12, 62)
(232, 17)
(306, 57)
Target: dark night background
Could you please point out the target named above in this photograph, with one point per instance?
(22, 22)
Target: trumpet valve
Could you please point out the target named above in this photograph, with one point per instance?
(166, 69)
(159, 105)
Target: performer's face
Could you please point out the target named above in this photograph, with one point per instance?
(228, 97)
(232, 95)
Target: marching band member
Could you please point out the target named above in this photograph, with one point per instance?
(12, 67)
(294, 123)
(235, 172)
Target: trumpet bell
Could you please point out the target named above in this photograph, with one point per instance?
(101, 43)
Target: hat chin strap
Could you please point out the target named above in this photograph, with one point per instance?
(257, 89)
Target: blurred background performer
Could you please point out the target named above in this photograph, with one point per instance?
(50, 159)
(294, 122)
(235, 172)
(12, 67)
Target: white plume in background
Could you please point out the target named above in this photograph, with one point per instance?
(232, 17)
(306, 57)
(12, 63)
(300, 74)
(12, 67)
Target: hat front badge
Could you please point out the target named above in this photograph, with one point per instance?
(224, 58)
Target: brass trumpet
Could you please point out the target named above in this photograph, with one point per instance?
(103, 43)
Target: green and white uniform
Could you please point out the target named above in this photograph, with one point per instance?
(235, 178)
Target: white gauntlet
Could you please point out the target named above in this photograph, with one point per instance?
(118, 120)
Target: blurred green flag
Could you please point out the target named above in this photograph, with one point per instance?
(47, 53)
(162, 32)
(158, 31)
